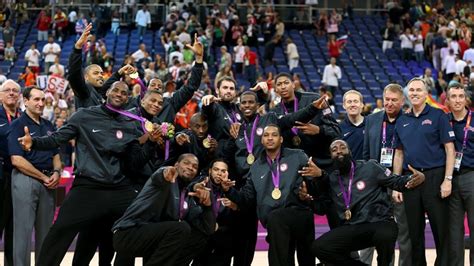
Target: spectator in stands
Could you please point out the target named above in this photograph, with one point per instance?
(43, 24)
(269, 51)
(465, 33)
(250, 65)
(73, 17)
(334, 47)
(268, 29)
(142, 20)
(48, 111)
(163, 73)
(140, 53)
(438, 43)
(388, 35)
(10, 53)
(406, 43)
(29, 77)
(57, 69)
(226, 58)
(321, 24)
(8, 33)
(333, 23)
(292, 54)
(223, 73)
(279, 29)
(331, 75)
(51, 50)
(299, 86)
(239, 52)
(251, 31)
(468, 56)
(429, 81)
(449, 65)
(460, 67)
(32, 56)
(418, 46)
(60, 24)
(115, 25)
(218, 34)
(81, 24)
(237, 31)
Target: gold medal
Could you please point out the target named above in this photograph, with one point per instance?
(206, 143)
(134, 75)
(250, 159)
(296, 140)
(276, 193)
(347, 215)
(148, 126)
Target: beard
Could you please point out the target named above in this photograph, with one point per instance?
(343, 164)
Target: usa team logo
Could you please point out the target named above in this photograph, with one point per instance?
(360, 185)
(283, 167)
(119, 134)
(49, 133)
(426, 122)
(238, 116)
(259, 131)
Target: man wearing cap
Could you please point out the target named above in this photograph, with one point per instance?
(359, 192)
(106, 144)
(35, 177)
(9, 112)
(424, 139)
(379, 145)
(461, 201)
(271, 187)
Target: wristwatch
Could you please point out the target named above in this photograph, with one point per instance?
(448, 177)
(57, 171)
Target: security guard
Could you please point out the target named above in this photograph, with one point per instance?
(169, 222)
(352, 126)
(379, 141)
(105, 144)
(461, 200)
(313, 137)
(34, 179)
(359, 191)
(424, 139)
(197, 141)
(272, 188)
(9, 111)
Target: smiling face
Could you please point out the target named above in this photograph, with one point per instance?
(187, 167)
(117, 95)
(10, 93)
(153, 103)
(35, 102)
(417, 93)
(392, 102)
(94, 75)
(456, 99)
(353, 104)
(248, 105)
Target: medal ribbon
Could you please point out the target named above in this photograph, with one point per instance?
(275, 176)
(347, 195)
(216, 205)
(249, 143)
(295, 109)
(128, 114)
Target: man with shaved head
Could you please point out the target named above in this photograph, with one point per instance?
(359, 192)
(89, 85)
(106, 146)
(9, 111)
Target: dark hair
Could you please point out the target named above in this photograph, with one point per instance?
(27, 91)
(222, 160)
(283, 74)
(273, 125)
(150, 92)
(226, 78)
(185, 155)
(249, 93)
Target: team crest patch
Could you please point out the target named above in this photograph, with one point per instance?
(360, 185)
(283, 167)
(119, 134)
(451, 134)
(49, 133)
(259, 131)
(426, 122)
(238, 117)
(388, 172)
(185, 205)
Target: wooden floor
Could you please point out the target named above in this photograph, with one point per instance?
(259, 260)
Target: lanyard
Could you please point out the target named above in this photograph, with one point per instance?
(466, 131)
(347, 195)
(9, 117)
(249, 142)
(384, 134)
(183, 205)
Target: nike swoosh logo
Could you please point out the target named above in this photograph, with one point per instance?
(406, 125)
(345, 135)
(31, 134)
(241, 139)
(262, 176)
(3, 124)
(95, 130)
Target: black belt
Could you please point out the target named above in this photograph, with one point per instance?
(428, 169)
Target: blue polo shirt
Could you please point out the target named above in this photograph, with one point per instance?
(468, 152)
(422, 138)
(41, 160)
(5, 122)
(354, 136)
